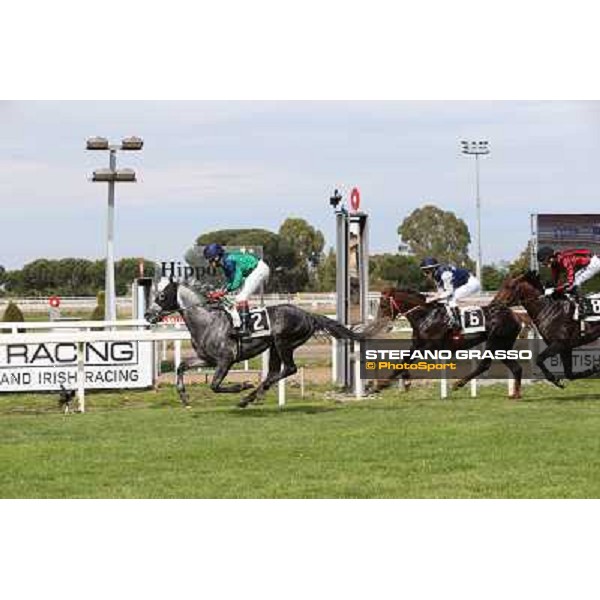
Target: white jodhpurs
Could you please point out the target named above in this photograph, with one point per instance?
(235, 315)
(253, 282)
(588, 272)
(468, 289)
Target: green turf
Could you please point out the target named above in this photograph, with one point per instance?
(143, 445)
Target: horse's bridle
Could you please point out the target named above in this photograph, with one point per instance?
(181, 309)
(394, 306)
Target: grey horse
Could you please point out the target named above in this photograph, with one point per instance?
(211, 331)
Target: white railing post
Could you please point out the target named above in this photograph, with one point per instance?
(444, 386)
(359, 384)
(333, 360)
(177, 359)
(511, 386)
(81, 376)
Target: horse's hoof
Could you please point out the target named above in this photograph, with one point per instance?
(514, 396)
(247, 385)
(457, 385)
(559, 384)
(242, 404)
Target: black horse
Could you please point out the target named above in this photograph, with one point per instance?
(554, 319)
(432, 331)
(211, 331)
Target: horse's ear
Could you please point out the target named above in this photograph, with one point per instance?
(171, 279)
(532, 274)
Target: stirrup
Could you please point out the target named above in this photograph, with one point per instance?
(240, 333)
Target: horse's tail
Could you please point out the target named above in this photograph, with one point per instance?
(337, 330)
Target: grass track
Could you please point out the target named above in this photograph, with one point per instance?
(143, 445)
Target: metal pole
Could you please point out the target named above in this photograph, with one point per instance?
(110, 308)
(533, 246)
(342, 292)
(479, 263)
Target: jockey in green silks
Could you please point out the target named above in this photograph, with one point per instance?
(244, 273)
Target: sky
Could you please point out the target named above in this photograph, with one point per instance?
(211, 165)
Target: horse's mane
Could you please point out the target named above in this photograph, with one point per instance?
(392, 291)
(533, 277)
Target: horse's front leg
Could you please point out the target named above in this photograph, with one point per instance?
(481, 367)
(180, 385)
(517, 372)
(552, 350)
(220, 373)
(272, 376)
(566, 356)
(184, 365)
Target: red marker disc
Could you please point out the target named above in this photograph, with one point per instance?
(355, 199)
(54, 301)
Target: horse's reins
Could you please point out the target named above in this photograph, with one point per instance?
(394, 306)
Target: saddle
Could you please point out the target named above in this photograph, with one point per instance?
(468, 319)
(587, 308)
(260, 324)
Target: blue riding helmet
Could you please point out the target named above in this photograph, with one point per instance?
(429, 263)
(213, 251)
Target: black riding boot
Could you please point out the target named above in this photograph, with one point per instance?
(244, 311)
(455, 319)
(578, 301)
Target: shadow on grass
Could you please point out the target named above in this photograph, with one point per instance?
(263, 411)
(560, 398)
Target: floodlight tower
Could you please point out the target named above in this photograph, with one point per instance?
(477, 149)
(111, 176)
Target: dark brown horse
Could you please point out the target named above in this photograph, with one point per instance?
(432, 330)
(553, 317)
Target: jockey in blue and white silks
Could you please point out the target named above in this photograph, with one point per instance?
(453, 283)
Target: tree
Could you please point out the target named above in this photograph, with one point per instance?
(244, 237)
(99, 309)
(325, 275)
(431, 231)
(13, 282)
(40, 277)
(492, 277)
(13, 314)
(287, 273)
(395, 270)
(307, 244)
(127, 270)
(307, 241)
(72, 276)
(522, 263)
